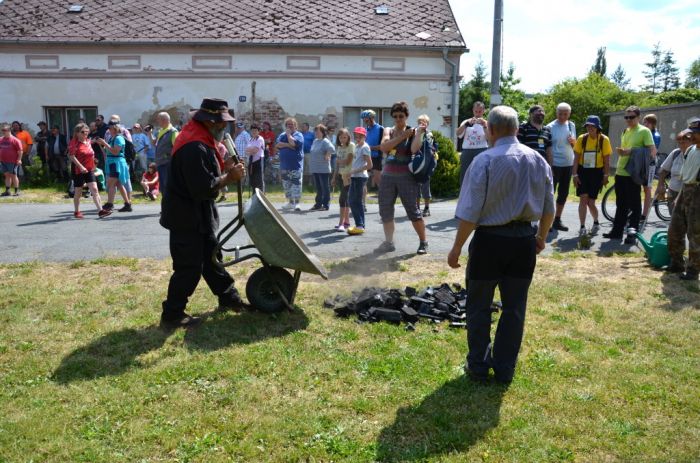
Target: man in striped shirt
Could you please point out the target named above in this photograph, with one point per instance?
(509, 186)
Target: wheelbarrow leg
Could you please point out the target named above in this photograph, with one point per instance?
(297, 276)
(290, 303)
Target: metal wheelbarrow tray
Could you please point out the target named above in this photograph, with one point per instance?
(270, 288)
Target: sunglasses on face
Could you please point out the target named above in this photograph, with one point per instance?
(398, 116)
(629, 118)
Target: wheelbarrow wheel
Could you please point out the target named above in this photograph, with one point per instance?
(261, 289)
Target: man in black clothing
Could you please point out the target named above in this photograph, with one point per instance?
(40, 140)
(57, 146)
(197, 173)
(535, 134)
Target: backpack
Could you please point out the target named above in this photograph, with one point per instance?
(424, 161)
(129, 151)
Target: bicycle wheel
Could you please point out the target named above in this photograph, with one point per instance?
(607, 204)
(662, 210)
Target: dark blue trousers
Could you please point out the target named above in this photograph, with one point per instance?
(506, 262)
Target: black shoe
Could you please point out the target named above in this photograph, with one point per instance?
(183, 321)
(422, 248)
(479, 377)
(233, 303)
(126, 208)
(316, 207)
(612, 236)
(426, 212)
(559, 226)
(7, 193)
(674, 269)
(689, 276)
(630, 239)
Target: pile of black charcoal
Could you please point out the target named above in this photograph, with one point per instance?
(439, 304)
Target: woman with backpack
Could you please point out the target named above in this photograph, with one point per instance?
(592, 152)
(400, 142)
(671, 168)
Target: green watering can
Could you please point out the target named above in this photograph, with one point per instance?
(656, 249)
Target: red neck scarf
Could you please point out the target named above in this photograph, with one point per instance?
(196, 131)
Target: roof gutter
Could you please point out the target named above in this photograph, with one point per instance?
(454, 48)
(453, 106)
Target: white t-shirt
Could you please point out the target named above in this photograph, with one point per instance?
(474, 138)
(359, 160)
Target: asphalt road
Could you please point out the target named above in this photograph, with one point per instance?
(48, 232)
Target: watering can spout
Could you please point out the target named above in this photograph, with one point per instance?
(648, 247)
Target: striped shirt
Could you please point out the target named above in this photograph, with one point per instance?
(506, 183)
(537, 139)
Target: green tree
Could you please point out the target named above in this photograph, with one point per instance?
(477, 89)
(668, 73)
(654, 67)
(600, 66)
(619, 78)
(445, 179)
(682, 95)
(693, 79)
(592, 95)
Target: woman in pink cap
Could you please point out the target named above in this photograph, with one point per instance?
(361, 163)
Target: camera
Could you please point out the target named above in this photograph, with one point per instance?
(148, 128)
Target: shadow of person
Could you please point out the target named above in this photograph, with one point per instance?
(111, 354)
(451, 419)
(219, 330)
(448, 224)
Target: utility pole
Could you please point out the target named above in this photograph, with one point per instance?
(496, 53)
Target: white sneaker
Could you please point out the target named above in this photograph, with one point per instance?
(595, 228)
(297, 207)
(582, 231)
(288, 206)
(340, 228)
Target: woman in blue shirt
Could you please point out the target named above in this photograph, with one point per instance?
(116, 169)
(290, 146)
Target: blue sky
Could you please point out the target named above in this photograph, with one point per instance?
(549, 41)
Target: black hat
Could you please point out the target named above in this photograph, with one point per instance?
(213, 110)
(694, 125)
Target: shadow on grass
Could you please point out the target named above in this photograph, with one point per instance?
(222, 330)
(451, 419)
(111, 354)
(679, 294)
(367, 264)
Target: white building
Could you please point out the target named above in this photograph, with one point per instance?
(270, 59)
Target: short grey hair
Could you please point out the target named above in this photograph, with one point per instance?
(503, 119)
(564, 106)
(164, 115)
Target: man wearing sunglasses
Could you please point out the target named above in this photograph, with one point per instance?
(628, 193)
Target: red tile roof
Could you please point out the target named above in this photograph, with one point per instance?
(262, 22)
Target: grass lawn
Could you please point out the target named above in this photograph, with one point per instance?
(609, 371)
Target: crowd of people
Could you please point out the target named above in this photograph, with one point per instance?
(512, 176)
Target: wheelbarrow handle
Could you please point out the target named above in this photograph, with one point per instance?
(228, 143)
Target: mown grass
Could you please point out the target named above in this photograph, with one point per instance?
(609, 371)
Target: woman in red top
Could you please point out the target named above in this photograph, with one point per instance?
(150, 182)
(270, 159)
(82, 157)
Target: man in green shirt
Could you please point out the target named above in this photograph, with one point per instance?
(686, 213)
(629, 194)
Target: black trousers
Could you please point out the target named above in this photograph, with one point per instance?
(192, 259)
(628, 199)
(562, 181)
(507, 262)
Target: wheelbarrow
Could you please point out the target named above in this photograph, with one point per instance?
(270, 288)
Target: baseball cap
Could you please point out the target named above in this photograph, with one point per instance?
(240, 125)
(360, 130)
(694, 125)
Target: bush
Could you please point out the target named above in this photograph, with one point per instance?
(38, 176)
(445, 179)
